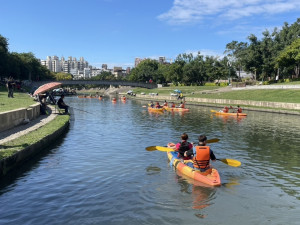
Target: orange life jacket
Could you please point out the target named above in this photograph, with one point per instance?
(239, 110)
(201, 160)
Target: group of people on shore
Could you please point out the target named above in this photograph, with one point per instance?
(201, 154)
(166, 104)
(226, 109)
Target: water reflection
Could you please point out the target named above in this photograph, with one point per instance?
(102, 174)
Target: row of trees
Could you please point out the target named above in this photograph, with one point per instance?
(187, 69)
(21, 66)
(276, 54)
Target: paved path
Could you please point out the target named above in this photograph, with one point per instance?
(21, 130)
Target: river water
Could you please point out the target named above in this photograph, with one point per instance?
(100, 172)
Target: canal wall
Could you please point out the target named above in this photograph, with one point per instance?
(16, 117)
(12, 162)
(279, 107)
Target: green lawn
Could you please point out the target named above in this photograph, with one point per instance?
(20, 100)
(186, 90)
(9, 148)
(272, 95)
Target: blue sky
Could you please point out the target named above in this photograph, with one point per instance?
(115, 32)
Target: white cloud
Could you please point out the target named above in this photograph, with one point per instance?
(196, 11)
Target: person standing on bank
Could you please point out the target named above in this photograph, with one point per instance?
(62, 105)
(10, 87)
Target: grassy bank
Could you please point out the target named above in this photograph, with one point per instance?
(20, 100)
(269, 95)
(9, 148)
(168, 90)
(285, 95)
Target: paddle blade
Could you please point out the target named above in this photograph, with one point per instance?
(159, 148)
(213, 140)
(231, 162)
(213, 111)
(164, 149)
(151, 148)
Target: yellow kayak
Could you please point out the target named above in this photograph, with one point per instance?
(150, 109)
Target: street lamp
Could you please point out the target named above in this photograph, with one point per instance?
(229, 65)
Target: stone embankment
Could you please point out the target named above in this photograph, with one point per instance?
(275, 107)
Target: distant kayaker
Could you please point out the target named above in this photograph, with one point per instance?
(165, 103)
(203, 155)
(239, 109)
(225, 110)
(181, 105)
(151, 104)
(184, 146)
(173, 105)
(157, 105)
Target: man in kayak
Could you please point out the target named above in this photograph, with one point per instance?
(201, 160)
(184, 146)
(173, 105)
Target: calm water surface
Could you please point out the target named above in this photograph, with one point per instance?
(100, 172)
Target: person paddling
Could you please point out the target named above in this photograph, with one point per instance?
(201, 160)
(184, 146)
(239, 109)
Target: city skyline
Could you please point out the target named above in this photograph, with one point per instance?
(115, 32)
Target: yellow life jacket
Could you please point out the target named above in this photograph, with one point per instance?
(201, 160)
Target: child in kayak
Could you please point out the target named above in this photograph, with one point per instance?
(201, 160)
(184, 146)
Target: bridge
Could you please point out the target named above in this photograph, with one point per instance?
(97, 82)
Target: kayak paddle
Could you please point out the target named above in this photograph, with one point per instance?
(159, 148)
(231, 162)
(165, 149)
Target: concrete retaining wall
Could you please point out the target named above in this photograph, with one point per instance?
(279, 105)
(16, 117)
(17, 159)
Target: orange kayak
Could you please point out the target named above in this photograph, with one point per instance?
(228, 114)
(210, 176)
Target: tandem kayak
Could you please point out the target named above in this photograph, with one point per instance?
(176, 109)
(210, 176)
(228, 114)
(150, 109)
